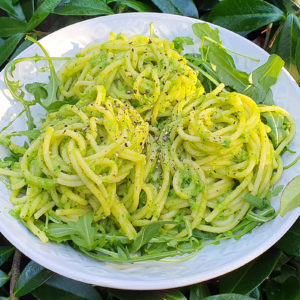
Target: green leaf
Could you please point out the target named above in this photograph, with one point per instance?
(3, 278)
(7, 6)
(263, 78)
(146, 234)
(84, 8)
(82, 233)
(180, 41)
(247, 278)
(9, 45)
(227, 71)
(178, 7)
(41, 13)
(289, 290)
(133, 295)
(9, 26)
(5, 253)
(228, 297)
(286, 45)
(274, 191)
(59, 287)
(206, 5)
(56, 105)
(255, 201)
(25, 44)
(31, 278)
(290, 197)
(199, 291)
(38, 90)
(32, 134)
(297, 56)
(199, 234)
(244, 16)
(216, 60)
(176, 295)
(51, 87)
(276, 122)
(137, 5)
(286, 5)
(28, 8)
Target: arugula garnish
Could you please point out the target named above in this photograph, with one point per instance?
(219, 65)
(277, 124)
(44, 93)
(180, 41)
(82, 233)
(147, 233)
(263, 78)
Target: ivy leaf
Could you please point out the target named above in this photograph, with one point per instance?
(244, 16)
(247, 278)
(178, 7)
(9, 45)
(137, 5)
(84, 8)
(5, 253)
(147, 233)
(180, 41)
(276, 122)
(41, 13)
(286, 45)
(31, 278)
(3, 278)
(263, 78)
(59, 287)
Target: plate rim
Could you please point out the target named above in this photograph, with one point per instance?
(162, 284)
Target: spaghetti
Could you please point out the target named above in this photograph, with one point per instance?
(145, 143)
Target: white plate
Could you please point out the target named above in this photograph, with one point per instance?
(210, 262)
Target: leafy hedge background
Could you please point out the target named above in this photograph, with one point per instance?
(275, 26)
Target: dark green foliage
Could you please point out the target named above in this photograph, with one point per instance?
(247, 278)
(272, 276)
(31, 278)
(244, 16)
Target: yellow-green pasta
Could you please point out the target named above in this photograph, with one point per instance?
(144, 143)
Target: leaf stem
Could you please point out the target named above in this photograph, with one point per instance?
(15, 272)
(229, 50)
(267, 39)
(292, 163)
(275, 35)
(214, 81)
